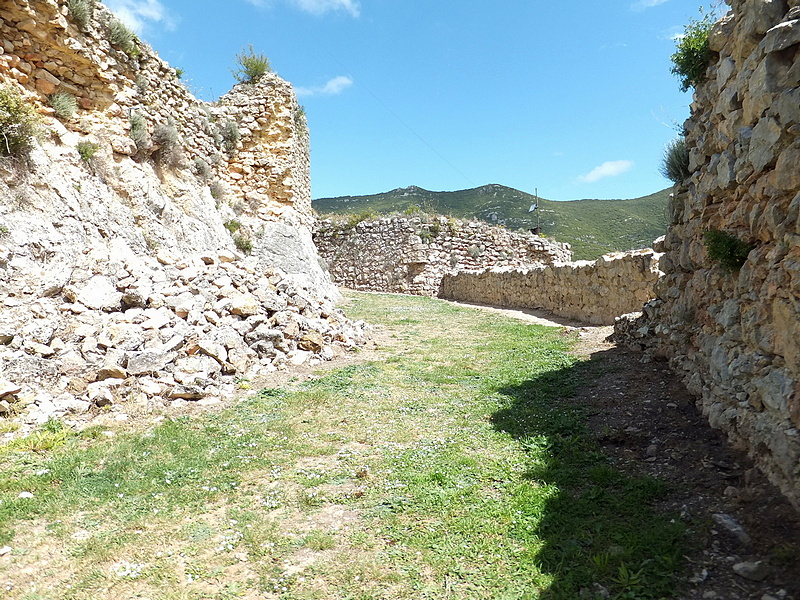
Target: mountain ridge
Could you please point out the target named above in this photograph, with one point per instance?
(592, 226)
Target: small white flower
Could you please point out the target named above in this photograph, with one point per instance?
(25, 495)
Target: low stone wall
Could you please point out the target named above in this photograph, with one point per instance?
(592, 292)
(410, 255)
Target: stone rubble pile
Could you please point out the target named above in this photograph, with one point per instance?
(142, 332)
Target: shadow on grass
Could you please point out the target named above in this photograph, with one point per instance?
(597, 524)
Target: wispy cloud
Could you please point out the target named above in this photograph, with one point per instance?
(333, 87)
(611, 168)
(317, 7)
(645, 4)
(138, 14)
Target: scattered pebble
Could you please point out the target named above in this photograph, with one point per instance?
(25, 495)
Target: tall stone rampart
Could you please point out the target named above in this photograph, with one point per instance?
(734, 335)
(594, 292)
(174, 255)
(410, 255)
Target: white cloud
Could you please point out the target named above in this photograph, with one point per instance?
(137, 14)
(644, 4)
(611, 168)
(333, 87)
(318, 7)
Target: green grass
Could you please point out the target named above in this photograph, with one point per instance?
(453, 465)
(592, 227)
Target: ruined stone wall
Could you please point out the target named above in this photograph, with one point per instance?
(591, 292)
(163, 268)
(411, 254)
(734, 336)
(262, 172)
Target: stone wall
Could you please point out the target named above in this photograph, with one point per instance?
(411, 254)
(734, 336)
(159, 269)
(258, 178)
(591, 292)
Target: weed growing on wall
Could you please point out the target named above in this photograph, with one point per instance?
(217, 189)
(64, 105)
(693, 55)
(675, 162)
(728, 251)
(19, 123)
(243, 244)
(232, 226)
(123, 38)
(81, 12)
(138, 131)
(167, 140)
(252, 66)
(201, 168)
(87, 150)
(230, 135)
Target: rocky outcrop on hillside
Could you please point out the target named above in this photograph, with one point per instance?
(731, 328)
(153, 247)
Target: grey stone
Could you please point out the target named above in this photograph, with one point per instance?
(752, 570)
(733, 527)
(782, 36)
(148, 361)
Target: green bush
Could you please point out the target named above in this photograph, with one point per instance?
(726, 250)
(87, 150)
(356, 218)
(230, 136)
(252, 66)
(693, 55)
(138, 131)
(64, 104)
(81, 11)
(232, 226)
(243, 244)
(675, 162)
(19, 123)
(122, 37)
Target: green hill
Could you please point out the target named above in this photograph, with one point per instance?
(592, 227)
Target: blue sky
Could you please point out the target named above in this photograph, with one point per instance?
(573, 98)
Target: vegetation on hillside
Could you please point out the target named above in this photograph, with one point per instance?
(592, 227)
(19, 123)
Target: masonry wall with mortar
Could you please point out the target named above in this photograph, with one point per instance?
(412, 254)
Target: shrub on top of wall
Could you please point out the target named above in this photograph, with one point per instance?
(728, 251)
(252, 66)
(693, 55)
(19, 123)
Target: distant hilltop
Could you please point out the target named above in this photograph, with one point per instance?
(592, 227)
